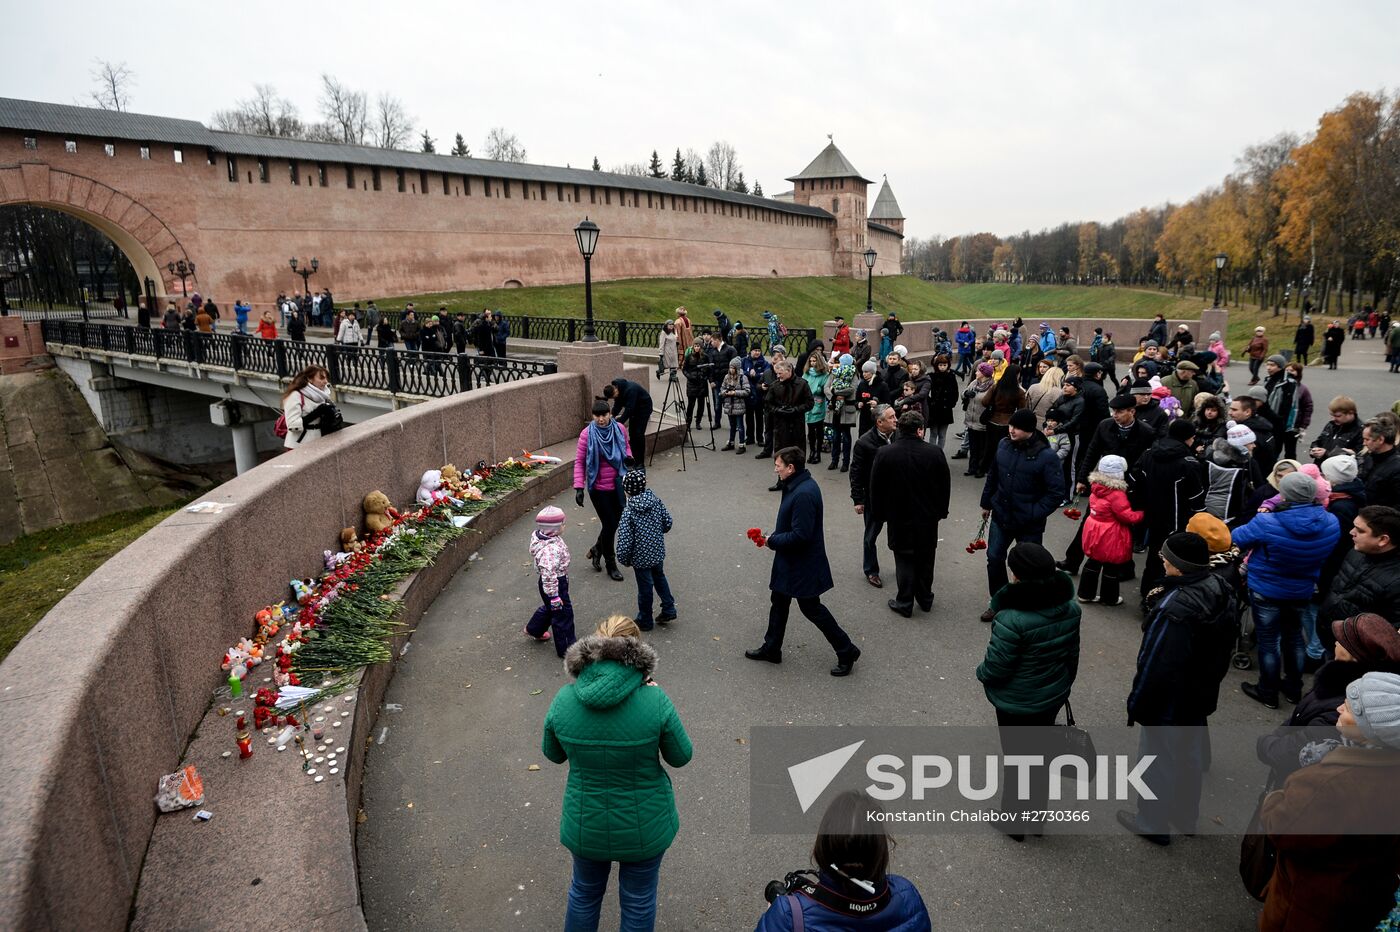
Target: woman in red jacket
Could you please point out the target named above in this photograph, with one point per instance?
(1108, 537)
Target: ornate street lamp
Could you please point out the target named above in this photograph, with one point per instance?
(184, 270)
(1220, 260)
(587, 235)
(869, 279)
(305, 272)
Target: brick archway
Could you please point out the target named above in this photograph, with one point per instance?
(144, 238)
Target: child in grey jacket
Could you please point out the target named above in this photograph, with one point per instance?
(641, 544)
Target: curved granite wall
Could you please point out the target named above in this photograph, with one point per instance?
(102, 696)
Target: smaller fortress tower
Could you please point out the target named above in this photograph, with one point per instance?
(832, 183)
(886, 211)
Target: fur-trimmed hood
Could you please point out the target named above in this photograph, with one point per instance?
(1108, 482)
(608, 670)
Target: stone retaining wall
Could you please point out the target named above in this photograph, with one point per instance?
(104, 694)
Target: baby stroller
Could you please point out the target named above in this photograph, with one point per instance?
(1245, 640)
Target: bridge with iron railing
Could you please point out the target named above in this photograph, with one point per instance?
(362, 369)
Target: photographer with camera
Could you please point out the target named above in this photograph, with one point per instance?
(307, 410)
(851, 887)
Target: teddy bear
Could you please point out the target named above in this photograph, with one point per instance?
(350, 541)
(452, 480)
(431, 492)
(379, 513)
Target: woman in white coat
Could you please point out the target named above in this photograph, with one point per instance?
(349, 333)
(305, 402)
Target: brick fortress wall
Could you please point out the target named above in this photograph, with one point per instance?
(476, 232)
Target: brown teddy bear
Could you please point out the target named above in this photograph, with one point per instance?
(452, 480)
(350, 541)
(379, 513)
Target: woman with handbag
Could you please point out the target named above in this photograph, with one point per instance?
(307, 407)
(1029, 669)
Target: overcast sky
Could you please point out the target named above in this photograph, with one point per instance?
(985, 116)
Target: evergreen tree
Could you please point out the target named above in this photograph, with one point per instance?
(700, 178)
(757, 189)
(740, 186)
(678, 172)
(459, 148)
(654, 169)
(429, 143)
(596, 166)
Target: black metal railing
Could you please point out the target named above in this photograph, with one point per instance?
(634, 333)
(398, 372)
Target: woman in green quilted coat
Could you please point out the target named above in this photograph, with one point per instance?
(1029, 668)
(615, 726)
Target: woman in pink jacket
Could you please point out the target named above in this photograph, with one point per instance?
(1108, 537)
(604, 454)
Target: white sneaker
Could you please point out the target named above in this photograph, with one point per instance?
(1082, 599)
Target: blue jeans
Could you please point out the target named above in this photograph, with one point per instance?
(998, 543)
(1313, 643)
(636, 894)
(647, 577)
(1278, 627)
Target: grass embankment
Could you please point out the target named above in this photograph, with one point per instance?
(38, 570)
(807, 302)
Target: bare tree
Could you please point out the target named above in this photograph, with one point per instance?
(722, 165)
(346, 111)
(263, 114)
(113, 82)
(629, 168)
(504, 146)
(693, 165)
(392, 125)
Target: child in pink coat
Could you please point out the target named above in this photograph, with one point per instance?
(1108, 536)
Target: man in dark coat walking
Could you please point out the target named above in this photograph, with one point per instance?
(863, 455)
(632, 405)
(800, 568)
(909, 491)
(1024, 487)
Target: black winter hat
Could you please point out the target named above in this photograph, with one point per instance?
(1121, 402)
(635, 482)
(1187, 552)
(1181, 429)
(1030, 561)
(1023, 419)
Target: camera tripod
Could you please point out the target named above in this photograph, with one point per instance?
(674, 402)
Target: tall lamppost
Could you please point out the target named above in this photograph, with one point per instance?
(869, 280)
(305, 271)
(587, 235)
(184, 270)
(1220, 260)
(9, 271)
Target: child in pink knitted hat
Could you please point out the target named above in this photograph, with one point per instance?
(551, 555)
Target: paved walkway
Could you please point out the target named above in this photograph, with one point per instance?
(460, 834)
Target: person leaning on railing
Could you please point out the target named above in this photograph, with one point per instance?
(307, 408)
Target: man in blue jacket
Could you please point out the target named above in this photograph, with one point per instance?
(1289, 545)
(800, 568)
(966, 340)
(1024, 488)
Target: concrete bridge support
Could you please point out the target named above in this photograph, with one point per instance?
(166, 423)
